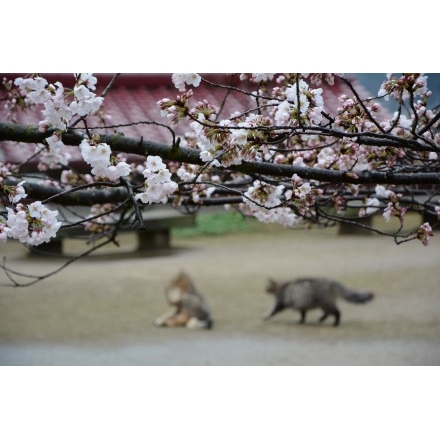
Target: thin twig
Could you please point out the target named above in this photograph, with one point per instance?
(137, 211)
(109, 85)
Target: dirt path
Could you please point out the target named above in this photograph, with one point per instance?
(99, 311)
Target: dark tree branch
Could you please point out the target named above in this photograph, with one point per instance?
(429, 125)
(13, 132)
(13, 275)
(110, 85)
(134, 203)
(84, 197)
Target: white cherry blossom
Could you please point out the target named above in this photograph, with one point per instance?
(180, 79)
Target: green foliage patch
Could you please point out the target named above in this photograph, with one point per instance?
(217, 223)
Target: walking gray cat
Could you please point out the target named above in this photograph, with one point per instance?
(304, 294)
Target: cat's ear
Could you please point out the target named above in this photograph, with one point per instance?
(271, 284)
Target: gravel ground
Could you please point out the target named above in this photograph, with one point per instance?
(99, 311)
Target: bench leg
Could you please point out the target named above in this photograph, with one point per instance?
(148, 240)
(431, 219)
(350, 229)
(53, 247)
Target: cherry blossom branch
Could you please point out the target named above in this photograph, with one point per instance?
(158, 124)
(13, 274)
(429, 125)
(361, 102)
(355, 222)
(21, 133)
(315, 163)
(109, 85)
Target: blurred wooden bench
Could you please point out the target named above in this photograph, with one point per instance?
(156, 235)
(423, 203)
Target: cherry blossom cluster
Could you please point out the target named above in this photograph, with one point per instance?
(158, 184)
(10, 223)
(424, 233)
(194, 182)
(403, 126)
(302, 105)
(32, 224)
(303, 194)
(293, 103)
(54, 155)
(355, 118)
(393, 206)
(257, 77)
(264, 201)
(35, 224)
(317, 78)
(14, 193)
(16, 99)
(176, 109)
(180, 79)
(401, 88)
(98, 155)
(60, 105)
(244, 136)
